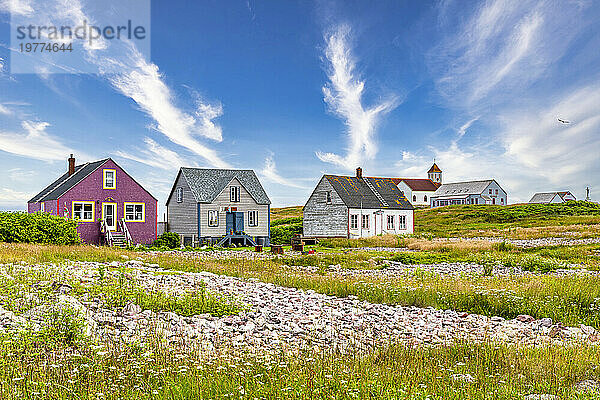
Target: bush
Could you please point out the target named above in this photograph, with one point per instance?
(169, 240)
(21, 227)
(283, 234)
(287, 221)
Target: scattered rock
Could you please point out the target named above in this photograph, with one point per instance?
(525, 318)
(588, 386)
(467, 378)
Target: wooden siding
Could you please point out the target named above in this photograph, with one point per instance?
(245, 204)
(322, 219)
(182, 217)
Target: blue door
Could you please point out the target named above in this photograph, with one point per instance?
(239, 221)
(230, 222)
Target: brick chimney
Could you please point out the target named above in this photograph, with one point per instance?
(359, 173)
(71, 165)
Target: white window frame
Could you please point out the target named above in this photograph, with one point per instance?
(402, 222)
(365, 217)
(234, 194)
(391, 222)
(83, 212)
(253, 218)
(135, 211)
(213, 218)
(104, 181)
(42, 207)
(179, 194)
(328, 197)
(353, 221)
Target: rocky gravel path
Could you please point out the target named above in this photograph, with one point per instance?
(279, 317)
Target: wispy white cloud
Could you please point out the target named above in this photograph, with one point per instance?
(4, 110)
(34, 142)
(20, 7)
(10, 196)
(20, 174)
(156, 155)
(503, 47)
(558, 152)
(131, 75)
(270, 173)
(463, 129)
(343, 95)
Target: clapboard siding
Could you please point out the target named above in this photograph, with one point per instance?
(245, 204)
(182, 217)
(322, 219)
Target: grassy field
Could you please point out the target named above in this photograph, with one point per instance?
(286, 212)
(569, 299)
(520, 221)
(30, 369)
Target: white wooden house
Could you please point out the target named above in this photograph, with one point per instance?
(473, 192)
(552, 197)
(357, 206)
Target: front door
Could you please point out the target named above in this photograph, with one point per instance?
(239, 221)
(109, 214)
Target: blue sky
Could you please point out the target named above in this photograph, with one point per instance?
(297, 89)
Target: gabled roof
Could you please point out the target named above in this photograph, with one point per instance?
(420, 185)
(548, 197)
(60, 186)
(369, 192)
(463, 188)
(207, 183)
(434, 168)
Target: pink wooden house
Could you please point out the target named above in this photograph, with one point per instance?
(109, 205)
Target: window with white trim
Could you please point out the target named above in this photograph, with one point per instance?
(109, 178)
(135, 212)
(402, 222)
(180, 195)
(328, 197)
(390, 222)
(252, 218)
(42, 207)
(213, 218)
(353, 221)
(365, 222)
(83, 211)
(234, 194)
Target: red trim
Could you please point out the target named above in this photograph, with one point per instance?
(348, 223)
(57, 207)
(156, 223)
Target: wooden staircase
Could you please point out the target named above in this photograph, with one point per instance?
(118, 238)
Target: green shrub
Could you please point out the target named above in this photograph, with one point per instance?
(283, 234)
(287, 221)
(168, 240)
(21, 227)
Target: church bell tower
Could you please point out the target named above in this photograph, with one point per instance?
(435, 173)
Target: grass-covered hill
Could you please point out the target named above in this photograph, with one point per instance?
(473, 220)
(285, 212)
(518, 220)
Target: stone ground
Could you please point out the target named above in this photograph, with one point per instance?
(278, 317)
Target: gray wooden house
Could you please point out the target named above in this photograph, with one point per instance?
(205, 205)
(357, 206)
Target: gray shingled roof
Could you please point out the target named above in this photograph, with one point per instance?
(60, 186)
(462, 188)
(207, 183)
(543, 197)
(355, 192)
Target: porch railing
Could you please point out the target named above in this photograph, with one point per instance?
(125, 231)
(107, 233)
